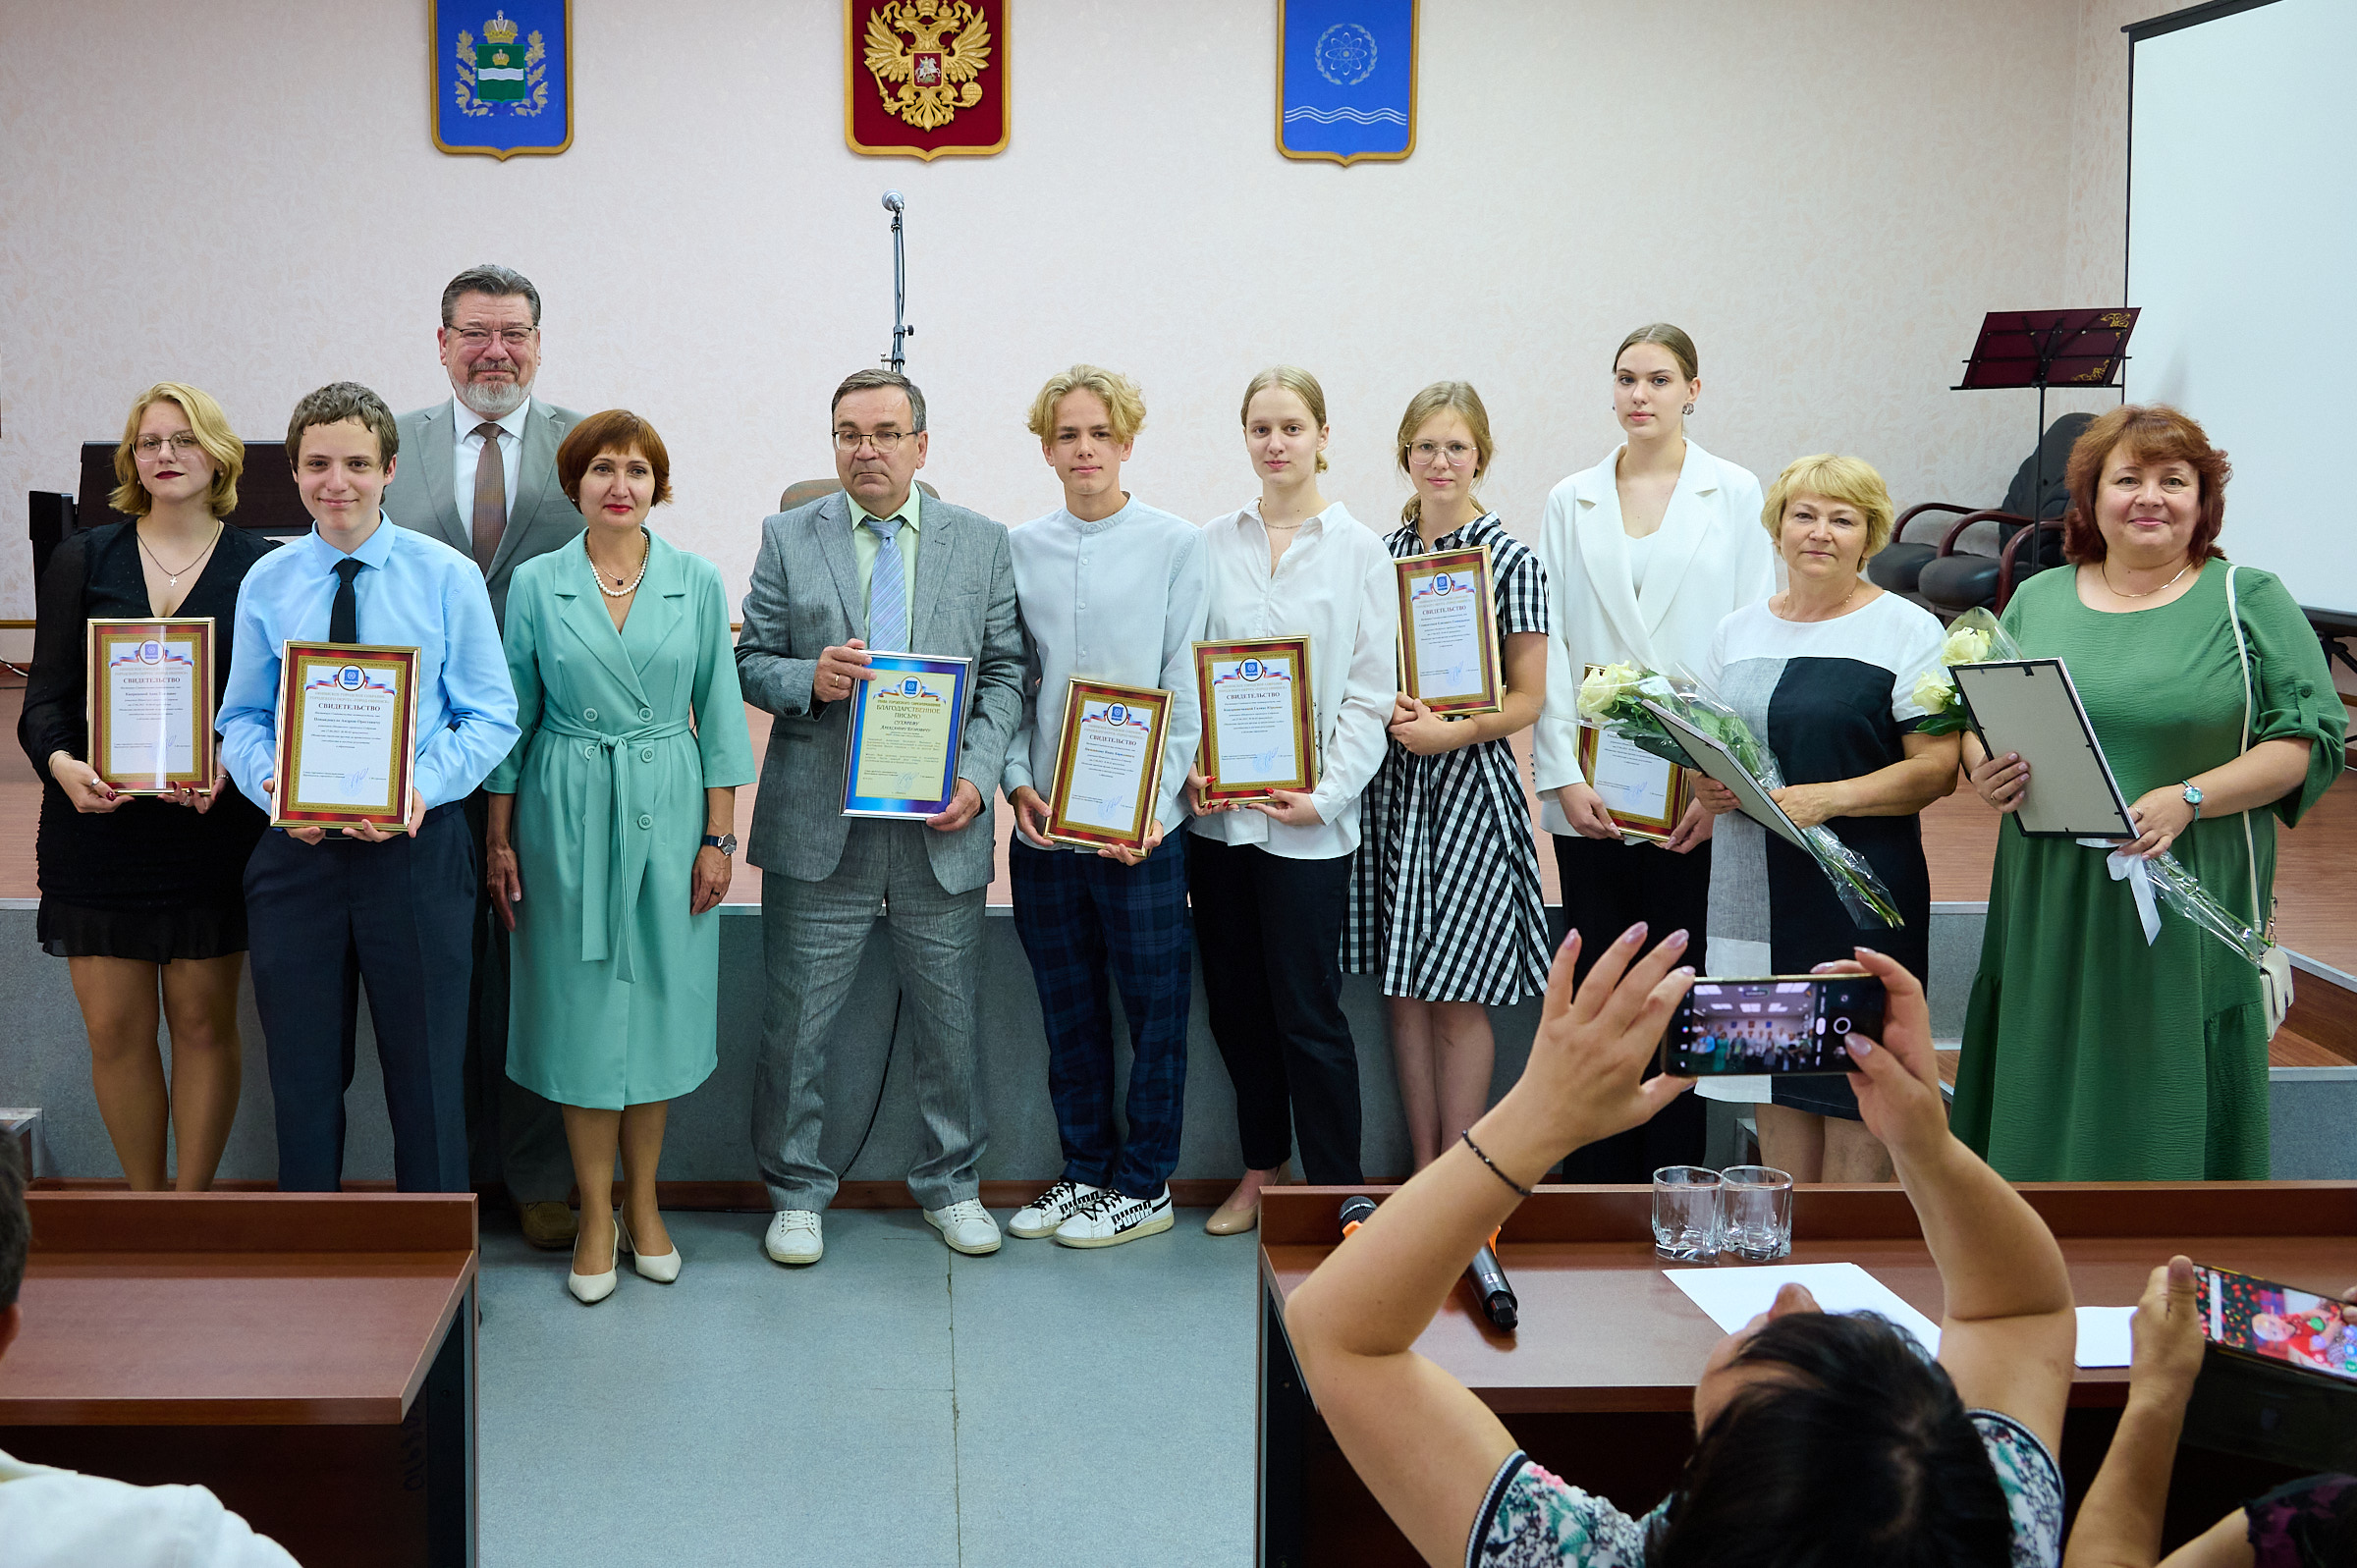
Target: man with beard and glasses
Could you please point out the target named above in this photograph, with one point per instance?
(481, 477)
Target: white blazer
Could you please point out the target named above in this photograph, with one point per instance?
(1710, 558)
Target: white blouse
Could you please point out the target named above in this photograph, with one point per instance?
(1708, 558)
(1336, 585)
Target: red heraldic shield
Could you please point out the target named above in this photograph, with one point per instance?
(924, 78)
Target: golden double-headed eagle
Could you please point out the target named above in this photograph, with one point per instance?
(922, 81)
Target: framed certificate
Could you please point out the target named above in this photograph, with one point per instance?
(1258, 732)
(149, 703)
(1449, 631)
(903, 757)
(346, 734)
(2031, 707)
(1714, 759)
(1109, 765)
(1645, 795)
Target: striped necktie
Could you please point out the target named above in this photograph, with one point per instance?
(886, 590)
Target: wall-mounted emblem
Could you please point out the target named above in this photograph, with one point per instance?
(503, 76)
(924, 78)
(1346, 80)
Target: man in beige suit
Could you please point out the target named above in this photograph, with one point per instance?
(480, 473)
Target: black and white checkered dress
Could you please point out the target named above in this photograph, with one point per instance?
(1445, 887)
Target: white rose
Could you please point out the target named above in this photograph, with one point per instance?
(1968, 646)
(1934, 691)
(1603, 688)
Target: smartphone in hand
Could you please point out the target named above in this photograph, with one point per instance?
(2254, 1317)
(1781, 1024)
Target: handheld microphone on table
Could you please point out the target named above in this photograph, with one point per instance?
(1490, 1289)
(1357, 1210)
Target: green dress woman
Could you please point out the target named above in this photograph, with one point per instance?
(602, 847)
(2089, 1053)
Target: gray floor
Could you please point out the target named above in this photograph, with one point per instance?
(896, 1404)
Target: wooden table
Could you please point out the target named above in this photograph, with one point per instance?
(309, 1357)
(1599, 1383)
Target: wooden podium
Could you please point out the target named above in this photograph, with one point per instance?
(309, 1357)
(1598, 1384)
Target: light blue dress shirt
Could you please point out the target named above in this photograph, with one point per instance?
(1120, 599)
(415, 592)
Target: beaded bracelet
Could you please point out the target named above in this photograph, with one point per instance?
(1467, 1136)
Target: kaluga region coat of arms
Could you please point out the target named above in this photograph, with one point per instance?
(927, 67)
(503, 82)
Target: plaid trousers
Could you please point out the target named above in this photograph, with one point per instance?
(1079, 914)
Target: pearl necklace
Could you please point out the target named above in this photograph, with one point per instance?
(618, 592)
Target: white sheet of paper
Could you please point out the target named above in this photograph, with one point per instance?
(1732, 1297)
(1110, 762)
(1630, 778)
(2103, 1339)
(2030, 706)
(1444, 634)
(1721, 764)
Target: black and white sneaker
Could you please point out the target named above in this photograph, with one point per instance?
(1043, 1213)
(1109, 1218)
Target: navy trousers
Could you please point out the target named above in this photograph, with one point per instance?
(398, 916)
(1080, 914)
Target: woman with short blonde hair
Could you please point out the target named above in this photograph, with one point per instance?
(143, 896)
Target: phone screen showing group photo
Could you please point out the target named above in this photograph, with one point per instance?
(1774, 1025)
(2261, 1317)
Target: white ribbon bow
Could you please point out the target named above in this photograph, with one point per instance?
(2132, 870)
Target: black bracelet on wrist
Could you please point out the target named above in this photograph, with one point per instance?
(1467, 1136)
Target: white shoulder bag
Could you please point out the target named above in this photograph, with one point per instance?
(2275, 969)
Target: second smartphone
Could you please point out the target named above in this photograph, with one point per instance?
(1787, 1024)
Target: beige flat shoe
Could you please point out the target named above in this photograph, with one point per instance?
(1229, 1220)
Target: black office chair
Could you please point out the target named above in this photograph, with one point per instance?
(1949, 580)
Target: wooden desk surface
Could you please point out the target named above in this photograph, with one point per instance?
(231, 1309)
(1604, 1329)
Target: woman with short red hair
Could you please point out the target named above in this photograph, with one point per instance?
(2091, 1055)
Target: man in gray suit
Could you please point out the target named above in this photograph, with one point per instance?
(877, 564)
(481, 475)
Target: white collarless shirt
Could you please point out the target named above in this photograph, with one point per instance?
(468, 453)
(1336, 585)
(60, 1519)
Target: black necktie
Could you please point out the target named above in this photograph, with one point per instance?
(344, 618)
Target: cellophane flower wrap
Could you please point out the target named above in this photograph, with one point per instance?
(1973, 637)
(1614, 698)
(2179, 889)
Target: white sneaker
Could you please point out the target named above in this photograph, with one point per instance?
(1110, 1218)
(967, 1227)
(794, 1237)
(1043, 1213)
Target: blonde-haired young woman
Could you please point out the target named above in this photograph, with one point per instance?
(144, 896)
(1646, 553)
(1824, 672)
(1444, 890)
(1270, 880)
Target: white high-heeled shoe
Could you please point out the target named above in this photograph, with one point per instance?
(590, 1289)
(661, 1269)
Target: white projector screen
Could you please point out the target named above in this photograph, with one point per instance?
(2242, 252)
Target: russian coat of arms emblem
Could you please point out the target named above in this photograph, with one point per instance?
(925, 56)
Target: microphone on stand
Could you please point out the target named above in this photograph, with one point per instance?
(893, 201)
(898, 205)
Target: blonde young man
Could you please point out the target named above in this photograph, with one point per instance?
(1114, 590)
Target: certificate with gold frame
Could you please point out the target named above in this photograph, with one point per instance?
(1108, 765)
(1449, 631)
(1645, 795)
(149, 704)
(1259, 735)
(346, 734)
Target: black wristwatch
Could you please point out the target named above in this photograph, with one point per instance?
(725, 842)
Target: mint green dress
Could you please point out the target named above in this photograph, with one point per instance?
(614, 988)
(2089, 1055)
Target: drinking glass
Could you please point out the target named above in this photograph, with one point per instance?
(1685, 1214)
(1756, 1212)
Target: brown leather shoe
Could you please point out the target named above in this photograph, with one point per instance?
(549, 1226)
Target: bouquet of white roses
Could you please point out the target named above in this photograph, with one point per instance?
(1974, 637)
(1614, 699)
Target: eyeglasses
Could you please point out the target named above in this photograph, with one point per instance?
(1456, 452)
(480, 336)
(152, 446)
(885, 442)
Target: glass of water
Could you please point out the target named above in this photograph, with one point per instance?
(1756, 1212)
(1685, 1214)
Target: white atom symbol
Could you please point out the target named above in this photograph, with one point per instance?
(1346, 54)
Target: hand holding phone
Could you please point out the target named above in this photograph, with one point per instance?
(2247, 1316)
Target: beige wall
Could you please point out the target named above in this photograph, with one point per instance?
(1826, 194)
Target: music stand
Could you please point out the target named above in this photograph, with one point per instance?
(2049, 347)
